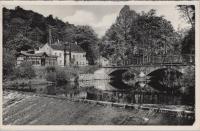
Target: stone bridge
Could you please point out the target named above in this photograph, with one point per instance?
(109, 71)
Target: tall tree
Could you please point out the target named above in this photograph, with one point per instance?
(188, 13)
(117, 40)
(188, 43)
(88, 40)
(134, 33)
(153, 34)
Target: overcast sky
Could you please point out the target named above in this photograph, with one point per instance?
(100, 17)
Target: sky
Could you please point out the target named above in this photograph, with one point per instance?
(101, 17)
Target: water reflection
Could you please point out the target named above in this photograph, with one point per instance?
(103, 90)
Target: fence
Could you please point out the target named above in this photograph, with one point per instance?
(159, 59)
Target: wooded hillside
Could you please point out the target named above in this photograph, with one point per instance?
(25, 29)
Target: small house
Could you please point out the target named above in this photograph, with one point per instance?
(36, 59)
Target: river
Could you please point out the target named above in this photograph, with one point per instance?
(114, 91)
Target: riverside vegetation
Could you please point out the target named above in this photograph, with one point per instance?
(26, 74)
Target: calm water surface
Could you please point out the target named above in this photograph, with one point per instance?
(105, 90)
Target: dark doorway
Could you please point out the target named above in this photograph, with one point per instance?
(43, 62)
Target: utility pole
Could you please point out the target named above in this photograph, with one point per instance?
(70, 54)
(65, 53)
(50, 36)
(99, 53)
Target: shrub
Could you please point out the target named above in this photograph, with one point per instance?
(50, 69)
(62, 76)
(25, 70)
(51, 76)
(8, 63)
(188, 79)
(57, 74)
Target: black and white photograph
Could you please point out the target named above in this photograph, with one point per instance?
(99, 64)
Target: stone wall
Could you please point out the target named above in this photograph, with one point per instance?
(86, 77)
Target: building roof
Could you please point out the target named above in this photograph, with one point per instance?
(61, 46)
(36, 55)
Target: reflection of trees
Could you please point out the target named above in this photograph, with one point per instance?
(166, 79)
(170, 79)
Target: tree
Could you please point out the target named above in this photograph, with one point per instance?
(25, 70)
(123, 23)
(153, 34)
(117, 40)
(133, 33)
(188, 43)
(25, 29)
(8, 62)
(87, 39)
(31, 25)
(188, 13)
(20, 43)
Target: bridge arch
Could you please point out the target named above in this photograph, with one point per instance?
(107, 72)
(164, 68)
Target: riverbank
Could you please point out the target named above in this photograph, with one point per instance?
(32, 109)
(25, 82)
(50, 75)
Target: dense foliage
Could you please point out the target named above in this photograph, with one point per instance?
(59, 75)
(24, 71)
(25, 29)
(142, 33)
(8, 62)
(188, 14)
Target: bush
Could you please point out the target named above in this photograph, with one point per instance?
(25, 70)
(50, 69)
(62, 76)
(8, 63)
(188, 79)
(58, 74)
(51, 76)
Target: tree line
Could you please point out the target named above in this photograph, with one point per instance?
(146, 33)
(25, 29)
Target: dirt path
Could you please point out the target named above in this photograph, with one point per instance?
(30, 109)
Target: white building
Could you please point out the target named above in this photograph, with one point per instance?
(78, 55)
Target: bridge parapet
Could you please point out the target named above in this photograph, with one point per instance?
(159, 59)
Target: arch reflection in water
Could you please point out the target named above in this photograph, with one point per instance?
(104, 91)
